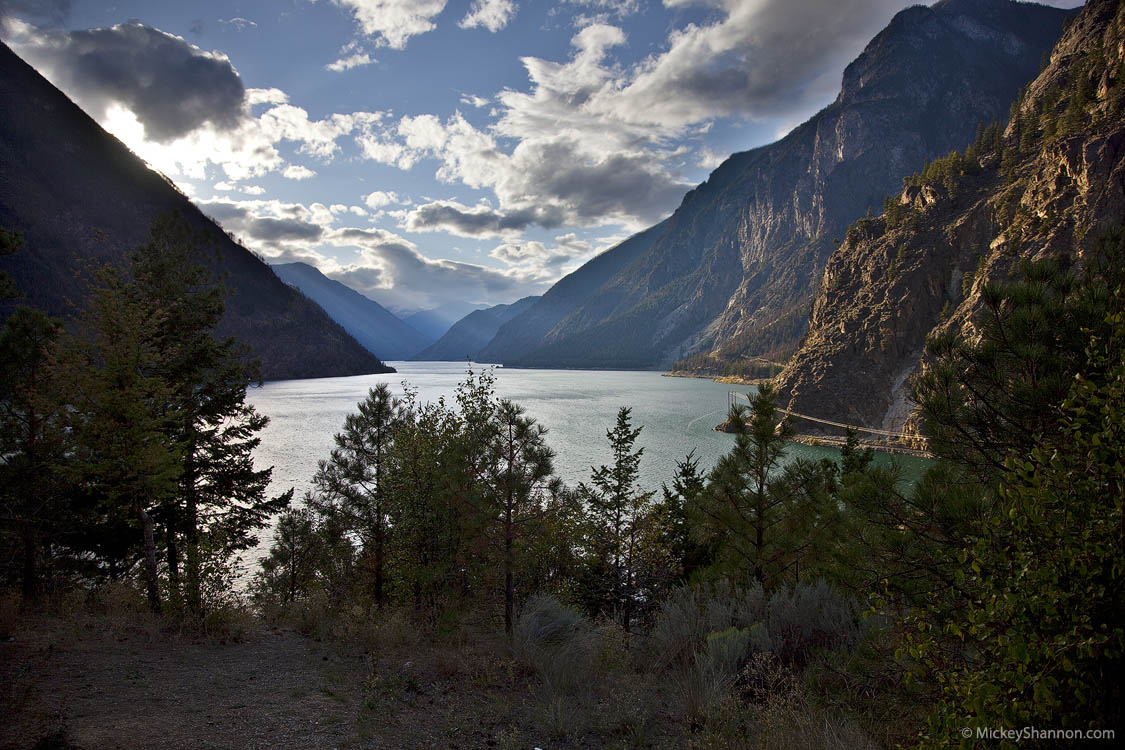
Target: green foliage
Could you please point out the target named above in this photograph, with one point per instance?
(622, 529)
(986, 398)
(1040, 639)
(765, 521)
(33, 443)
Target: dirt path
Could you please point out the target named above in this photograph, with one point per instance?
(101, 685)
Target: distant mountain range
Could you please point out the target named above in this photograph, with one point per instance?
(1051, 185)
(470, 334)
(372, 325)
(733, 271)
(434, 322)
(81, 198)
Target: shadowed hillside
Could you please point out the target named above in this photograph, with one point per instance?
(82, 199)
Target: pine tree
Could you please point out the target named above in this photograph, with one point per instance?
(353, 483)
(221, 499)
(620, 522)
(33, 442)
(124, 458)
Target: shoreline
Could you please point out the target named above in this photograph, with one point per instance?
(731, 379)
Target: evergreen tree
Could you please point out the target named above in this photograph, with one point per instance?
(124, 458)
(687, 553)
(766, 521)
(33, 443)
(519, 490)
(221, 499)
(621, 523)
(1039, 637)
(353, 483)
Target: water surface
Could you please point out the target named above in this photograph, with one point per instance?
(677, 415)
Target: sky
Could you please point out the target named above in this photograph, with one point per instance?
(434, 151)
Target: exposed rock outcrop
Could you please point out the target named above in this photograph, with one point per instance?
(732, 272)
(1049, 185)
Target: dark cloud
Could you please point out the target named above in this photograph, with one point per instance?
(479, 221)
(171, 86)
(617, 185)
(265, 229)
(41, 12)
(281, 230)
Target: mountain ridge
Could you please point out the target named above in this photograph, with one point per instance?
(1051, 183)
(82, 199)
(732, 272)
(375, 327)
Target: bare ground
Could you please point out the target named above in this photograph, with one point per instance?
(98, 683)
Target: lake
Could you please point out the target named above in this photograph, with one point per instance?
(576, 406)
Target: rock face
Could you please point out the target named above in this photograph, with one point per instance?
(732, 272)
(372, 325)
(465, 339)
(1049, 185)
(81, 199)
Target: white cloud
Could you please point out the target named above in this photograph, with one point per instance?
(489, 14)
(393, 22)
(357, 60)
(238, 23)
(472, 100)
(379, 198)
(297, 172)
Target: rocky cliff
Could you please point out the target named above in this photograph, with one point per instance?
(733, 270)
(1050, 183)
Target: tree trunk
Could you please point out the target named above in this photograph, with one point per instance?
(509, 579)
(31, 587)
(151, 580)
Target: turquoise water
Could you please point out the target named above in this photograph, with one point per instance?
(577, 407)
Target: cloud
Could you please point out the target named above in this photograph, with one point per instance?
(759, 59)
(489, 14)
(478, 221)
(357, 60)
(393, 22)
(43, 12)
(297, 172)
(379, 198)
(391, 268)
(270, 225)
(238, 23)
(172, 86)
(472, 100)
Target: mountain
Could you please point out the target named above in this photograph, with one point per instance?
(732, 272)
(371, 324)
(81, 199)
(471, 333)
(1049, 185)
(434, 322)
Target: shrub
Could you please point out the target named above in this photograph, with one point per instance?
(556, 642)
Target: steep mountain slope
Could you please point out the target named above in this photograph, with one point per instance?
(371, 324)
(435, 322)
(471, 333)
(733, 270)
(1050, 184)
(81, 198)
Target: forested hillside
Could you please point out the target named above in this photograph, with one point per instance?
(81, 199)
